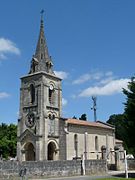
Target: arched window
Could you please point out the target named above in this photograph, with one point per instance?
(51, 94)
(32, 93)
(76, 145)
(96, 143)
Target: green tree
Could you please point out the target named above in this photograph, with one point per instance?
(74, 117)
(119, 122)
(8, 140)
(130, 115)
(83, 117)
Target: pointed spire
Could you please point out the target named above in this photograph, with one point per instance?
(42, 55)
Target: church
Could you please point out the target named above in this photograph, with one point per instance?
(43, 134)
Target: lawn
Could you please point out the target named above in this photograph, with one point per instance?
(117, 179)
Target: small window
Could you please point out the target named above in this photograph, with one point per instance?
(41, 56)
(32, 93)
(96, 143)
(41, 41)
(50, 96)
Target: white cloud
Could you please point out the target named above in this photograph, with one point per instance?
(106, 80)
(112, 87)
(64, 102)
(61, 74)
(7, 46)
(92, 76)
(82, 79)
(4, 95)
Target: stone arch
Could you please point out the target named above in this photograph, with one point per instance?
(29, 150)
(52, 150)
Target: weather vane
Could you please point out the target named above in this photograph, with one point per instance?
(94, 108)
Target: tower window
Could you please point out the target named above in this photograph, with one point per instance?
(51, 94)
(32, 93)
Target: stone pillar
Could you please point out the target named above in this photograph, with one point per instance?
(85, 144)
(117, 158)
(103, 151)
(19, 153)
(37, 151)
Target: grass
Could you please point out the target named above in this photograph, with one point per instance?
(117, 179)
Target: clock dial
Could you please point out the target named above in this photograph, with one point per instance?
(30, 121)
(51, 87)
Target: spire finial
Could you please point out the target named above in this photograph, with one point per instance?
(42, 12)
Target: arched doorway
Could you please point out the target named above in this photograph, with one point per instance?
(29, 152)
(51, 151)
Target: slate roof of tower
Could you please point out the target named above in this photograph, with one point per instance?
(42, 45)
(41, 60)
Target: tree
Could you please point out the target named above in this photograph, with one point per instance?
(119, 122)
(8, 140)
(74, 117)
(130, 115)
(83, 117)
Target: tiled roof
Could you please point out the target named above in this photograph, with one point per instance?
(88, 123)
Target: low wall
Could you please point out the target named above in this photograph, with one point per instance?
(131, 164)
(52, 168)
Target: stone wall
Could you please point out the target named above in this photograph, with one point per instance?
(52, 168)
(131, 164)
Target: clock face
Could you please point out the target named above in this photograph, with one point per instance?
(51, 87)
(30, 121)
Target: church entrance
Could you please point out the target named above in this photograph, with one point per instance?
(51, 151)
(29, 152)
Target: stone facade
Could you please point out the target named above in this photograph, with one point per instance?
(42, 133)
(87, 138)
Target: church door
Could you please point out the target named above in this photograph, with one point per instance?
(51, 151)
(29, 152)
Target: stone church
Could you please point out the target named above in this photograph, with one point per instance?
(42, 132)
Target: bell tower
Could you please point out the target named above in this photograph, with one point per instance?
(40, 107)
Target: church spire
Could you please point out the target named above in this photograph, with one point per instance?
(41, 61)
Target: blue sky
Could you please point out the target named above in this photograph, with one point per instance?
(92, 44)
